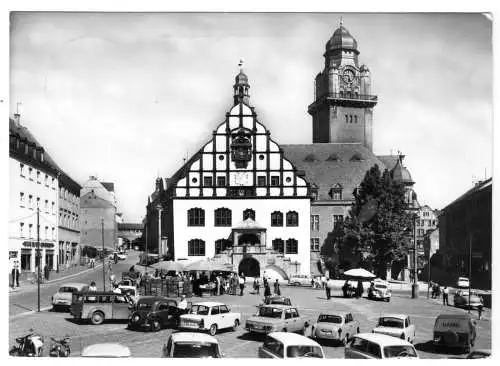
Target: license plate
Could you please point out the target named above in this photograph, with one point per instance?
(326, 331)
(258, 326)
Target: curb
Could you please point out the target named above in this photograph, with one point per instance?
(29, 312)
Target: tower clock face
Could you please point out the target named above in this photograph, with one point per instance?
(348, 76)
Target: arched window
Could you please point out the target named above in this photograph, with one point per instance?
(222, 217)
(196, 247)
(279, 245)
(277, 218)
(249, 214)
(221, 245)
(292, 218)
(196, 217)
(292, 246)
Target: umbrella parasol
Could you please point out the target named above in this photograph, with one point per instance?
(169, 266)
(205, 266)
(359, 273)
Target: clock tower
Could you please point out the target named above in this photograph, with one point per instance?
(343, 104)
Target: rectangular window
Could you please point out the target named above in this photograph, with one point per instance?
(278, 245)
(53, 233)
(261, 181)
(46, 181)
(21, 199)
(47, 206)
(53, 208)
(30, 173)
(30, 231)
(53, 183)
(275, 180)
(38, 177)
(38, 202)
(30, 202)
(21, 229)
(46, 236)
(21, 169)
(315, 244)
(221, 181)
(207, 181)
(315, 222)
(292, 246)
(337, 219)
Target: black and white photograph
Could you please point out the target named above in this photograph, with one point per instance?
(216, 184)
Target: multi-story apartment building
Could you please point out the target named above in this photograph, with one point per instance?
(69, 220)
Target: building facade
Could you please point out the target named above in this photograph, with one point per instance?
(69, 221)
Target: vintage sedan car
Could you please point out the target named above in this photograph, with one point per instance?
(191, 345)
(372, 345)
(98, 306)
(289, 345)
(380, 290)
(277, 300)
(454, 331)
(300, 280)
(210, 316)
(335, 326)
(105, 350)
(154, 313)
(461, 299)
(273, 318)
(130, 291)
(64, 296)
(396, 325)
(463, 282)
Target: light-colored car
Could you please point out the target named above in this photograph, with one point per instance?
(335, 326)
(130, 291)
(63, 297)
(277, 318)
(463, 282)
(300, 280)
(210, 316)
(461, 299)
(381, 290)
(370, 345)
(396, 325)
(290, 345)
(105, 350)
(276, 300)
(191, 345)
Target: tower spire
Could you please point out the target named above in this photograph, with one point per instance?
(241, 86)
(341, 21)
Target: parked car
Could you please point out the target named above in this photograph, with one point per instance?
(153, 313)
(100, 306)
(289, 345)
(130, 291)
(396, 325)
(380, 290)
(463, 282)
(454, 331)
(210, 316)
(461, 299)
(335, 326)
(105, 350)
(63, 298)
(372, 345)
(277, 300)
(272, 318)
(300, 280)
(191, 345)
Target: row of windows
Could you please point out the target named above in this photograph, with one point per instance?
(68, 196)
(335, 193)
(336, 220)
(426, 222)
(68, 221)
(38, 175)
(31, 203)
(196, 247)
(223, 217)
(29, 231)
(221, 181)
(349, 118)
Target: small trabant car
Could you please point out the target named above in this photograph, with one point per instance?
(461, 299)
(380, 290)
(64, 296)
(277, 318)
(210, 316)
(276, 300)
(300, 280)
(154, 312)
(106, 350)
(339, 327)
(289, 345)
(191, 345)
(396, 325)
(454, 331)
(100, 306)
(372, 345)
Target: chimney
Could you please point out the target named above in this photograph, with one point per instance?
(17, 119)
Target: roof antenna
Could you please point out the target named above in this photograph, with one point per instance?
(240, 64)
(341, 21)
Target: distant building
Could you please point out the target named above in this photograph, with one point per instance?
(128, 232)
(69, 221)
(465, 230)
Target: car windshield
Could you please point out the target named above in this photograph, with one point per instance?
(324, 318)
(277, 300)
(199, 310)
(68, 289)
(144, 305)
(391, 322)
(381, 286)
(399, 351)
(304, 351)
(195, 350)
(268, 312)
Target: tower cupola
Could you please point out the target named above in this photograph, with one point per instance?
(241, 87)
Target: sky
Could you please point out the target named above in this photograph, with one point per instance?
(128, 96)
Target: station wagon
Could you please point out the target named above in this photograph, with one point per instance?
(100, 306)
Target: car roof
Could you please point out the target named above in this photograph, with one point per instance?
(453, 316)
(210, 303)
(278, 297)
(398, 316)
(383, 339)
(278, 306)
(336, 313)
(293, 339)
(193, 337)
(73, 284)
(106, 350)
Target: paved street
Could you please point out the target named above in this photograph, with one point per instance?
(234, 344)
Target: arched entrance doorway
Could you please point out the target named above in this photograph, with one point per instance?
(250, 267)
(248, 239)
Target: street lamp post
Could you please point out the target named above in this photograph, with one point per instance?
(159, 208)
(38, 254)
(103, 257)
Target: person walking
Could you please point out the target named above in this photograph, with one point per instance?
(445, 296)
(267, 290)
(15, 274)
(46, 272)
(359, 291)
(480, 308)
(328, 290)
(256, 285)
(242, 284)
(277, 290)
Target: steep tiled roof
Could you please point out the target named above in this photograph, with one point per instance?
(109, 186)
(93, 185)
(326, 172)
(389, 161)
(478, 187)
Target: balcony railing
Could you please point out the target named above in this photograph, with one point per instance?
(347, 97)
(250, 249)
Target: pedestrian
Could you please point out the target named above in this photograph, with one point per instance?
(480, 308)
(132, 269)
(277, 290)
(15, 274)
(46, 272)
(242, 284)
(345, 288)
(359, 292)
(256, 285)
(445, 295)
(328, 290)
(267, 290)
(92, 286)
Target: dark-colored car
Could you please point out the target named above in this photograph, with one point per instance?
(454, 331)
(154, 312)
(277, 300)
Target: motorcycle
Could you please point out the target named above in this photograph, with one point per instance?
(60, 348)
(31, 345)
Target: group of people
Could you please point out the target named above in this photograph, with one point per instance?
(350, 291)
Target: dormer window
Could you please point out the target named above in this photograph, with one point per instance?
(333, 157)
(241, 148)
(311, 157)
(356, 157)
(336, 192)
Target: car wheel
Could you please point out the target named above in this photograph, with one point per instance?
(97, 318)
(213, 329)
(284, 330)
(387, 299)
(155, 325)
(236, 324)
(296, 284)
(357, 330)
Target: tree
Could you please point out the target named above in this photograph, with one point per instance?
(379, 225)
